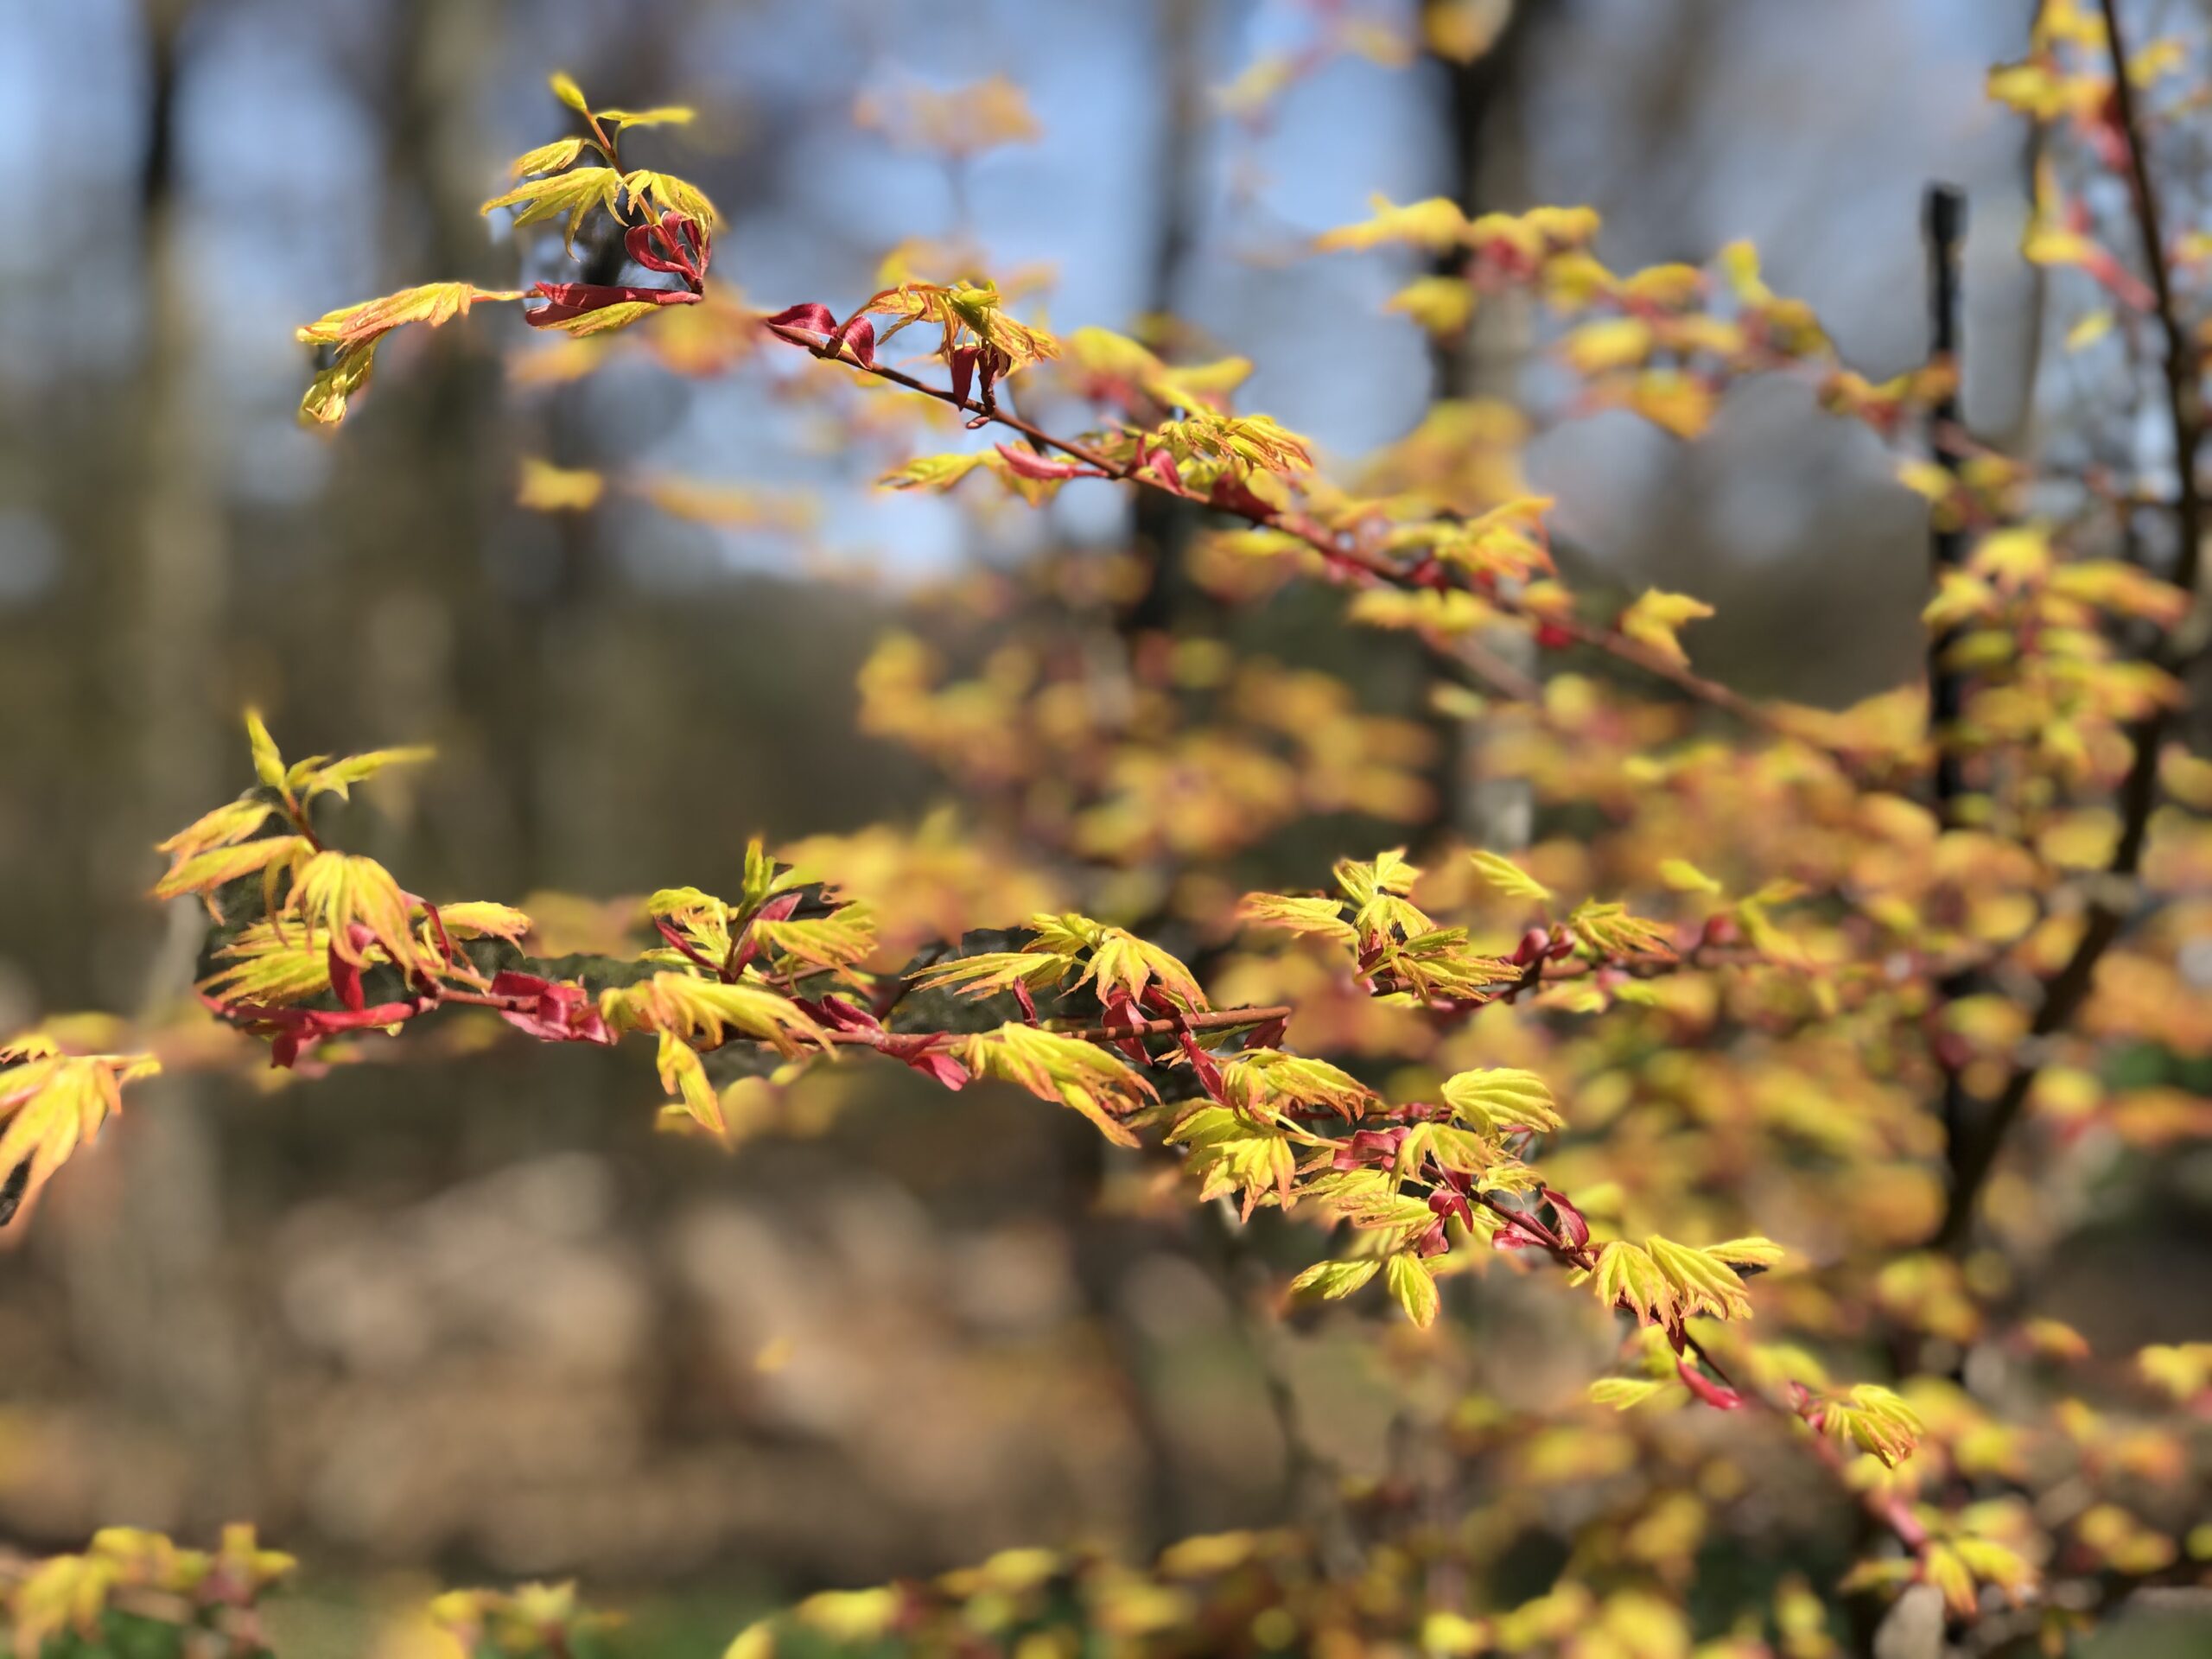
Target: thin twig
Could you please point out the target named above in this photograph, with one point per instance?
(1341, 554)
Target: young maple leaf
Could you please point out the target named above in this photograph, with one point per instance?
(1054, 1066)
(337, 891)
(1230, 1153)
(355, 330)
(1263, 1082)
(1123, 965)
(53, 1104)
(1433, 226)
(568, 196)
(1626, 1276)
(1702, 1283)
(704, 1012)
(1653, 620)
(1500, 1100)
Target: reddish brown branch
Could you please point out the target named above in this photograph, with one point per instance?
(1340, 552)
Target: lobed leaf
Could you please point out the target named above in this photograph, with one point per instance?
(568, 196)
(1508, 878)
(1702, 1283)
(1501, 1099)
(1323, 916)
(1331, 1281)
(53, 1104)
(1413, 1285)
(1054, 1066)
(1625, 1276)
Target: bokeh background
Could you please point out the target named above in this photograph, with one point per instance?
(477, 1319)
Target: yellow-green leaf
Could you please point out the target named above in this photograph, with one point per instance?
(1508, 878)
(1330, 1282)
(605, 319)
(1261, 1082)
(337, 890)
(567, 196)
(1323, 916)
(548, 158)
(683, 1075)
(1502, 1098)
(669, 194)
(434, 304)
(268, 761)
(1414, 1287)
(1434, 225)
(704, 1012)
(664, 115)
(207, 871)
(938, 472)
(321, 777)
(1654, 619)
(1702, 1283)
(325, 401)
(53, 1104)
(1623, 1392)
(222, 828)
(1625, 1276)
(1053, 1066)
(478, 919)
(1231, 1153)
(544, 487)
(1685, 877)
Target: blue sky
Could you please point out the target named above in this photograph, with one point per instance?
(1809, 128)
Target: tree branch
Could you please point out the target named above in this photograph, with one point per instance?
(1341, 554)
(2066, 990)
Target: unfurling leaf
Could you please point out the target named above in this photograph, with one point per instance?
(938, 472)
(565, 88)
(1122, 964)
(309, 779)
(355, 330)
(661, 115)
(684, 1076)
(670, 195)
(268, 759)
(480, 920)
(434, 304)
(205, 872)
